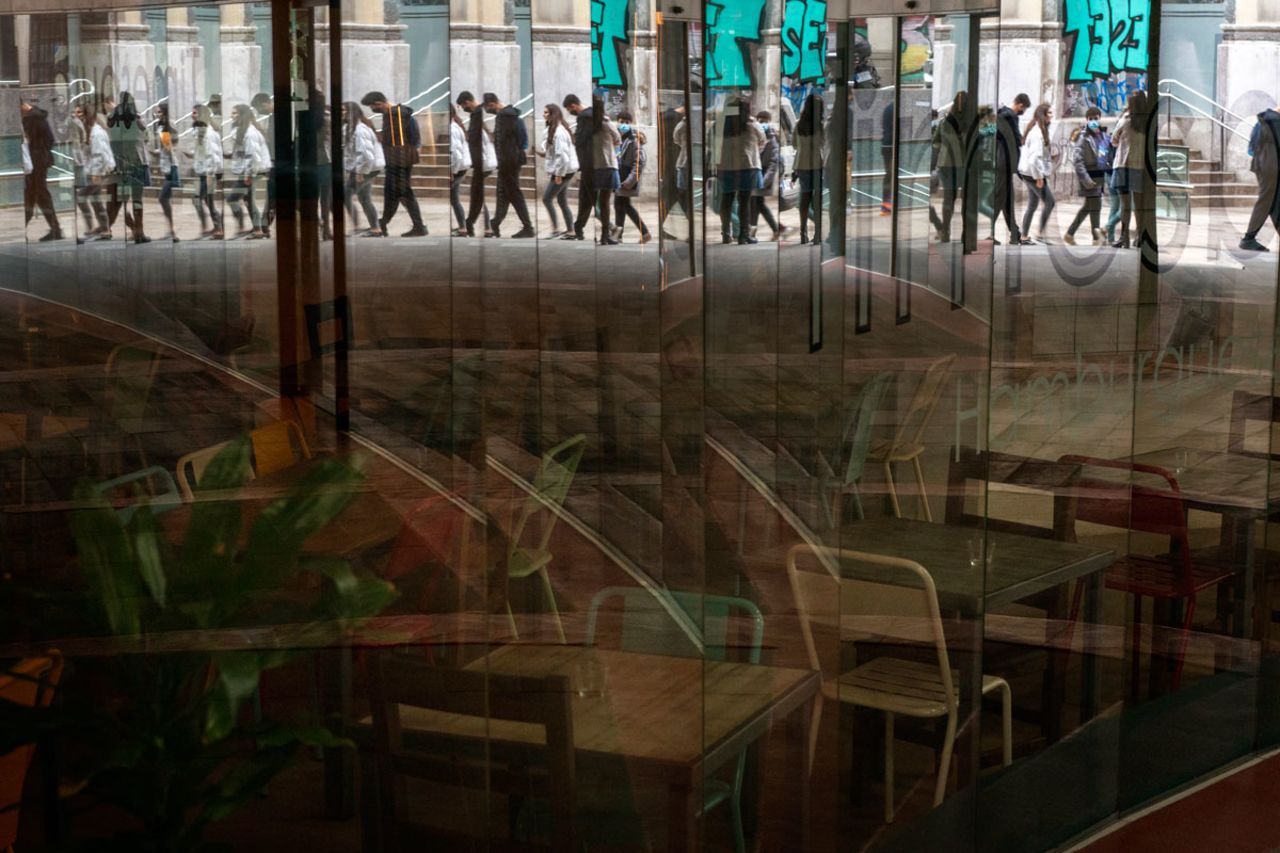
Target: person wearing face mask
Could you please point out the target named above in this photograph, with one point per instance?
(1090, 168)
(1035, 166)
(631, 168)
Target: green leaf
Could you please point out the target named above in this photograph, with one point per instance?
(213, 533)
(237, 680)
(146, 545)
(107, 559)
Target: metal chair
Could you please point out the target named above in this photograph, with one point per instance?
(158, 487)
(898, 606)
(907, 443)
(855, 443)
(648, 627)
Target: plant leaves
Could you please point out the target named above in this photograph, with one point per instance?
(213, 533)
(107, 559)
(146, 545)
(237, 680)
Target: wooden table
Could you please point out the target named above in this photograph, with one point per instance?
(366, 522)
(1020, 566)
(679, 718)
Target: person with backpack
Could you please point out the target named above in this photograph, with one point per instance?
(771, 165)
(632, 161)
(401, 142)
(1264, 151)
(1089, 161)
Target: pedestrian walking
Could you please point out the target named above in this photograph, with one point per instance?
(605, 140)
(1008, 148)
(561, 166)
(207, 165)
(38, 142)
(584, 147)
(362, 160)
(1035, 166)
(160, 150)
(459, 165)
(484, 160)
(632, 163)
(128, 145)
(810, 142)
(1088, 159)
(770, 166)
(401, 144)
(250, 163)
(511, 139)
(740, 173)
(1264, 153)
(96, 165)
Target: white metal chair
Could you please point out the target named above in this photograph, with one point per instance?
(893, 603)
(276, 446)
(907, 443)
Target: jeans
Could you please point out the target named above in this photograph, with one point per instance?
(205, 201)
(759, 208)
(1091, 208)
(242, 192)
(360, 188)
(166, 195)
(455, 198)
(556, 195)
(623, 210)
(1113, 213)
(1036, 196)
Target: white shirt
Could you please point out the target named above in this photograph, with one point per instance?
(250, 155)
(206, 151)
(361, 153)
(562, 158)
(1034, 160)
(100, 162)
(459, 151)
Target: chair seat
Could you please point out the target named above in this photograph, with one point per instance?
(900, 686)
(1159, 578)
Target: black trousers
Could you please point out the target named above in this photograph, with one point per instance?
(478, 177)
(1263, 209)
(35, 193)
(510, 195)
(1004, 203)
(397, 188)
(586, 199)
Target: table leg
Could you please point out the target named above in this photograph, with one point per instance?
(798, 732)
(682, 816)
(1090, 684)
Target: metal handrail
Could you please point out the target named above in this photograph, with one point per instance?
(427, 91)
(1172, 82)
(428, 107)
(1219, 122)
(89, 91)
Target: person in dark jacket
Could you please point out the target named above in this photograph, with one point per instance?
(1008, 146)
(476, 132)
(128, 144)
(264, 109)
(39, 137)
(770, 165)
(1091, 172)
(511, 139)
(401, 142)
(582, 144)
(632, 162)
(1264, 148)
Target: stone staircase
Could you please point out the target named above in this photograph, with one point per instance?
(431, 175)
(1213, 186)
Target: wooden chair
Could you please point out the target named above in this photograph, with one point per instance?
(895, 603)
(907, 443)
(29, 682)
(1154, 506)
(648, 627)
(1248, 406)
(482, 740)
(527, 556)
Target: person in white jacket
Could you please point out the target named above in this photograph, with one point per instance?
(1035, 167)
(206, 164)
(459, 165)
(250, 159)
(562, 165)
(94, 166)
(362, 160)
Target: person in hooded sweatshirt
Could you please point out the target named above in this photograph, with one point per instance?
(511, 138)
(632, 163)
(1264, 149)
(37, 134)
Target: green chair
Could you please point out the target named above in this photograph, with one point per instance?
(550, 488)
(156, 484)
(649, 628)
(860, 415)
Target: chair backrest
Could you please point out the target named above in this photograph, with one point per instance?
(1108, 495)
(973, 472)
(29, 682)
(191, 468)
(1248, 406)
(131, 372)
(155, 482)
(278, 446)
(648, 627)
(550, 488)
(428, 534)
(875, 599)
(861, 416)
(396, 680)
(928, 392)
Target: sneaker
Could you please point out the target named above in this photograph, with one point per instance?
(608, 240)
(523, 234)
(1251, 244)
(645, 237)
(51, 237)
(416, 231)
(555, 235)
(573, 235)
(1069, 238)
(1097, 236)
(781, 233)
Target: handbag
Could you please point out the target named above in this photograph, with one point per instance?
(788, 194)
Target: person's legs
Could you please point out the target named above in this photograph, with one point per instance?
(561, 196)
(950, 188)
(886, 181)
(410, 199)
(1263, 206)
(726, 214)
(744, 216)
(1113, 212)
(166, 201)
(28, 197)
(365, 194)
(250, 198)
(390, 194)
(504, 203)
(324, 187)
(1047, 207)
(477, 198)
(762, 209)
(620, 212)
(1033, 201)
(1079, 218)
(806, 202)
(603, 208)
(455, 198)
(516, 196)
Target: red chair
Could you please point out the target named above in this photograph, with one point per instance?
(1146, 508)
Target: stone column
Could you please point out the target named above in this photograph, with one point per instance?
(1248, 71)
(185, 63)
(1028, 52)
(483, 54)
(374, 53)
(241, 57)
(561, 53)
(117, 55)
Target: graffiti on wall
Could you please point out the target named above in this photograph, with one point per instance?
(804, 41)
(732, 27)
(609, 43)
(1105, 37)
(1109, 94)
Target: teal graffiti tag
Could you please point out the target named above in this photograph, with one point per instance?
(1105, 37)
(804, 41)
(608, 42)
(732, 25)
